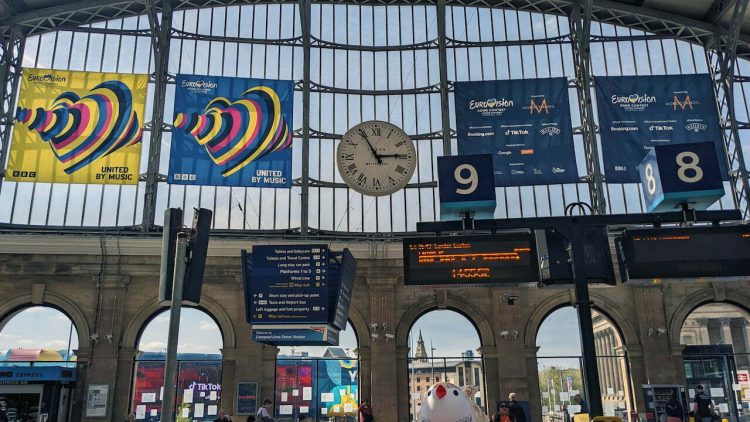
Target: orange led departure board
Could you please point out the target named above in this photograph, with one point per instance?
(685, 252)
(506, 258)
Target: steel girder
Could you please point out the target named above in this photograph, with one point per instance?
(722, 58)
(580, 29)
(161, 30)
(82, 12)
(11, 56)
(305, 11)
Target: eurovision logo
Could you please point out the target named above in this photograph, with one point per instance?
(490, 104)
(237, 133)
(81, 130)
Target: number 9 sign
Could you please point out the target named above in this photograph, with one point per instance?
(672, 175)
(466, 184)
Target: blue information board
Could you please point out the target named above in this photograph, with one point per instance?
(637, 113)
(288, 285)
(296, 335)
(682, 173)
(524, 124)
(466, 184)
(232, 132)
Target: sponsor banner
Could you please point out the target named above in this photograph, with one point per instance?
(524, 124)
(78, 127)
(232, 132)
(637, 113)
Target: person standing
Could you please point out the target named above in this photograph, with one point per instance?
(365, 412)
(223, 417)
(582, 403)
(674, 410)
(703, 408)
(515, 410)
(264, 413)
(503, 413)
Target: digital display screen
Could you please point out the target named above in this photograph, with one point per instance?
(507, 258)
(686, 252)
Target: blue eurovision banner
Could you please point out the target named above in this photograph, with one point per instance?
(637, 113)
(524, 124)
(232, 132)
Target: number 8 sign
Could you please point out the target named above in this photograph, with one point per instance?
(466, 184)
(672, 175)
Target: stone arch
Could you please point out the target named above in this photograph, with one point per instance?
(56, 300)
(698, 299)
(474, 315)
(361, 328)
(565, 298)
(210, 306)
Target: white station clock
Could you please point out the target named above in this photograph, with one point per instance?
(376, 158)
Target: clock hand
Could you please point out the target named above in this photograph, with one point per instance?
(375, 153)
(393, 155)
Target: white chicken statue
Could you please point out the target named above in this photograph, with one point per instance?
(445, 402)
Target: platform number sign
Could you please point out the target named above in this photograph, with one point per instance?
(682, 173)
(466, 184)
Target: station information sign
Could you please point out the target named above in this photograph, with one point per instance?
(506, 258)
(685, 252)
(289, 284)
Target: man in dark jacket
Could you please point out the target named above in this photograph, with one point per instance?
(516, 411)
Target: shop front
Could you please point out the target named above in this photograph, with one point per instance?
(36, 393)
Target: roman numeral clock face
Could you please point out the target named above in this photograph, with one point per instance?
(376, 158)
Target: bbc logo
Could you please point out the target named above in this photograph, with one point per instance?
(184, 176)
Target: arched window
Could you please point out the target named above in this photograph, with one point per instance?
(717, 355)
(38, 335)
(559, 363)
(199, 366)
(437, 354)
(318, 380)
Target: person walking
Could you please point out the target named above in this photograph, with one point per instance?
(365, 412)
(264, 413)
(703, 408)
(674, 410)
(515, 410)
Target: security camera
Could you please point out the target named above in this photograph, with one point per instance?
(94, 337)
(511, 299)
(375, 335)
(374, 325)
(661, 331)
(515, 333)
(109, 337)
(504, 334)
(389, 336)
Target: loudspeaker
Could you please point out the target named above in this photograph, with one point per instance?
(172, 225)
(197, 250)
(554, 260)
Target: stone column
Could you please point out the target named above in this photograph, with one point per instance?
(78, 399)
(491, 368)
(124, 379)
(365, 371)
(638, 376)
(389, 403)
(532, 376)
(105, 354)
(228, 379)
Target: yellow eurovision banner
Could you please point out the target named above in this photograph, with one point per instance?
(78, 127)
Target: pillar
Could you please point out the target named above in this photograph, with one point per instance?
(104, 365)
(228, 379)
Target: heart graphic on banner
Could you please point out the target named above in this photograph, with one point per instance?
(81, 130)
(237, 133)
